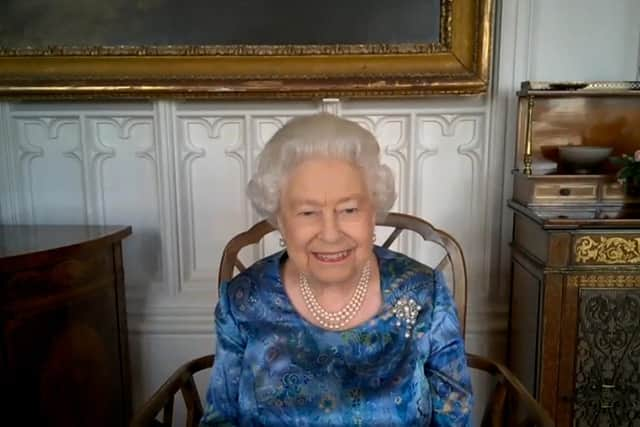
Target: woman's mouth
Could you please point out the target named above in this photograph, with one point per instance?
(332, 256)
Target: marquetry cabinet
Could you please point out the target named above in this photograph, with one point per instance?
(63, 345)
(574, 334)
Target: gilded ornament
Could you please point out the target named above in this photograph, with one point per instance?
(607, 250)
(604, 280)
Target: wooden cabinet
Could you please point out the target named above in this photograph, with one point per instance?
(64, 355)
(574, 334)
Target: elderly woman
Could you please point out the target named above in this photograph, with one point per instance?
(308, 336)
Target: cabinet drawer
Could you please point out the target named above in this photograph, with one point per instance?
(57, 282)
(566, 191)
(612, 191)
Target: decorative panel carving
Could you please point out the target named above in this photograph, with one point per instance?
(607, 250)
(95, 167)
(45, 144)
(608, 358)
(450, 147)
(123, 185)
(212, 170)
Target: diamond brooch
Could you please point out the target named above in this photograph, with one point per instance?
(406, 310)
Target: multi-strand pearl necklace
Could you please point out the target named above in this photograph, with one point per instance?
(335, 319)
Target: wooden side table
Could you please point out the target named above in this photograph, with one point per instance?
(64, 358)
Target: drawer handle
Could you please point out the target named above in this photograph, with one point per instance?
(565, 191)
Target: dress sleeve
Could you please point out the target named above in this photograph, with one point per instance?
(222, 395)
(446, 366)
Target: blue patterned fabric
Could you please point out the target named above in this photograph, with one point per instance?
(274, 368)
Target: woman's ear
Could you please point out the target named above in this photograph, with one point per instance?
(278, 224)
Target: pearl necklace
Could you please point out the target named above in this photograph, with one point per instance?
(335, 319)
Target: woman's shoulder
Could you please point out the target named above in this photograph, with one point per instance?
(395, 264)
(247, 284)
(265, 268)
(406, 278)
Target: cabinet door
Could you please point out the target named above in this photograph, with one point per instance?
(524, 326)
(600, 356)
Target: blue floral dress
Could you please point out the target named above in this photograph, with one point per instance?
(274, 368)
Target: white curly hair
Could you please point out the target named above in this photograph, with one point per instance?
(318, 135)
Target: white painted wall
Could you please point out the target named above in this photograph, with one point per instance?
(176, 170)
(585, 40)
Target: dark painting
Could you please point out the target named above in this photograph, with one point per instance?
(44, 23)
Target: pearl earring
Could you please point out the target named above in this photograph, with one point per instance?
(282, 243)
(374, 237)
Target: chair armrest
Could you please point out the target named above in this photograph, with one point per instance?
(508, 386)
(163, 398)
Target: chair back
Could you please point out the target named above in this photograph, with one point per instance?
(451, 263)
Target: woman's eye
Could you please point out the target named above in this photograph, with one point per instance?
(350, 210)
(306, 213)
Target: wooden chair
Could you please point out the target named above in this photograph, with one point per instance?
(510, 404)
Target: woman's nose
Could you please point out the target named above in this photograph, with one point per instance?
(330, 228)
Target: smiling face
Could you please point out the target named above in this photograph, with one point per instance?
(327, 218)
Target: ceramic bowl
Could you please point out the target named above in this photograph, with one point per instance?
(583, 158)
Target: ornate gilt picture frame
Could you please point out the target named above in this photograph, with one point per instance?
(455, 62)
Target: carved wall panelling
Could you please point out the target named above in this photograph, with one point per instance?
(123, 155)
(165, 132)
(451, 147)
(211, 172)
(105, 185)
(44, 144)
